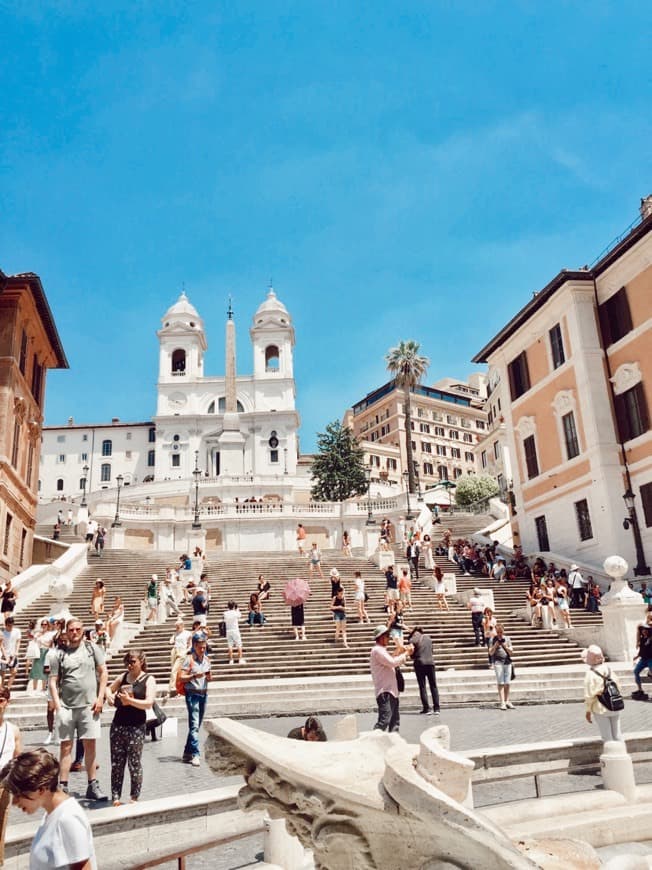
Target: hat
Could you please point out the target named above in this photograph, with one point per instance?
(154, 576)
(476, 591)
(380, 631)
(99, 622)
(198, 637)
(574, 567)
(335, 572)
(592, 655)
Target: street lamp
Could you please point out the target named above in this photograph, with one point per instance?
(285, 460)
(370, 517)
(196, 473)
(416, 474)
(85, 469)
(641, 569)
(408, 515)
(116, 521)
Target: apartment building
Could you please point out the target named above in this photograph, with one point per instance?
(29, 346)
(447, 419)
(571, 377)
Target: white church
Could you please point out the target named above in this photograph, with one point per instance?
(218, 464)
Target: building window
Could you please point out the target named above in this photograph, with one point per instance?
(424, 428)
(467, 438)
(439, 432)
(176, 460)
(519, 376)
(452, 421)
(428, 469)
(105, 472)
(469, 457)
(151, 458)
(583, 520)
(84, 437)
(83, 457)
(61, 439)
(128, 436)
(483, 458)
(127, 454)
(437, 416)
(496, 450)
(441, 450)
(5, 545)
(61, 459)
(426, 447)
(23, 538)
(557, 346)
(60, 484)
(457, 473)
(454, 434)
(179, 362)
(37, 380)
(531, 461)
(542, 533)
(16, 444)
(632, 415)
(455, 453)
(384, 430)
(414, 445)
(570, 435)
(107, 447)
(391, 465)
(271, 358)
(646, 499)
(152, 436)
(82, 481)
(22, 361)
(30, 465)
(479, 424)
(273, 456)
(442, 472)
(615, 317)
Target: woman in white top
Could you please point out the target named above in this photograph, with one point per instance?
(64, 838)
(116, 617)
(608, 721)
(360, 598)
(426, 549)
(10, 743)
(232, 617)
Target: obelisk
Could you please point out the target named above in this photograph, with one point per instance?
(231, 441)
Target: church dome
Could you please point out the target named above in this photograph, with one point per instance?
(183, 311)
(272, 310)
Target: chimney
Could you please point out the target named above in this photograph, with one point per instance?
(646, 207)
(115, 420)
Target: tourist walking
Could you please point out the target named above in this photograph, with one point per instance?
(301, 539)
(440, 589)
(643, 657)
(64, 837)
(391, 586)
(420, 650)
(413, 557)
(608, 721)
(426, 549)
(500, 653)
(9, 596)
(99, 540)
(476, 606)
(180, 642)
(132, 694)
(361, 598)
(43, 639)
(10, 638)
(195, 674)
(489, 623)
(383, 673)
(338, 609)
(405, 588)
(77, 683)
(152, 598)
(315, 560)
(116, 618)
(346, 544)
(576, 583)
(298, 621)
(232, 617)
(97, 599)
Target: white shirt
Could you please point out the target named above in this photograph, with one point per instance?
(11, 639)
(231, 619)
(7, 743)
(181, 641)
(63, 838)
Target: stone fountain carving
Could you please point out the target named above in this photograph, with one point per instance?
(376, 802)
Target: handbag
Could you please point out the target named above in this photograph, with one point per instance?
(155, 715)
(400, 680)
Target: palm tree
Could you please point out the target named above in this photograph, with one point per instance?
(408, 368)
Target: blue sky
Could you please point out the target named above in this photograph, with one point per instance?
(401, 170)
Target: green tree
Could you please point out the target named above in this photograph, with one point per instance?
(472, 488)
(408, 368)
(338, 471)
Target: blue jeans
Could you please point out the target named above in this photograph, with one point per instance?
(640, 666)
(388, 714)
(196, 705)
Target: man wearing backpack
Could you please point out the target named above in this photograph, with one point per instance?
(602, 696)
(78, 678)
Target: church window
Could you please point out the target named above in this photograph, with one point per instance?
(221, 406)
(175, 438)
(151, 454)
(105, 472)
(107, 447)
(273, 455)
(152, 436)
(60, 484)
(179, 362)
(176, 460)
(271, 358)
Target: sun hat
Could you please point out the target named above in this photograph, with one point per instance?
(380, 631)
(335, 572)
(574, 567)
(99, 622)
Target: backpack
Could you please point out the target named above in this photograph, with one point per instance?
(610, 697)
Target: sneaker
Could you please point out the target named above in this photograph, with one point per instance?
(424, 711)
(195, 761)
(509, 705)
(503, 706)
(94, 793)
(436, 713)
(430, 713)
(48, 739)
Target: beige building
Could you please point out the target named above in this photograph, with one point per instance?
(571, 377)
(447, 420)
(29, 346)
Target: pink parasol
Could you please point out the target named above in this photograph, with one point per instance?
(296, 591)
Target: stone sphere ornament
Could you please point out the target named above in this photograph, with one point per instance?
(616, 567)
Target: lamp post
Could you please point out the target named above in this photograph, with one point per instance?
(641, 569)
(196, 473)
(408, 515)
(116, 521)
(370, 517)
(285, 460)
(85, 469)
(416, 474)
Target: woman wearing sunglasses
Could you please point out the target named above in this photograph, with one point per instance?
(132, 694)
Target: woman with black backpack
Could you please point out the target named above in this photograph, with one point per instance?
(601, 695)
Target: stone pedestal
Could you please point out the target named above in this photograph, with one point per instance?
(116, 537)
(622, 611)
(283, 850)
(486, 596)
(383, 558)
(618, 770)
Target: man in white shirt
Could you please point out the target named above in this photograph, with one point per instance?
(577, 584)
(11, 641)
(383, 672)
